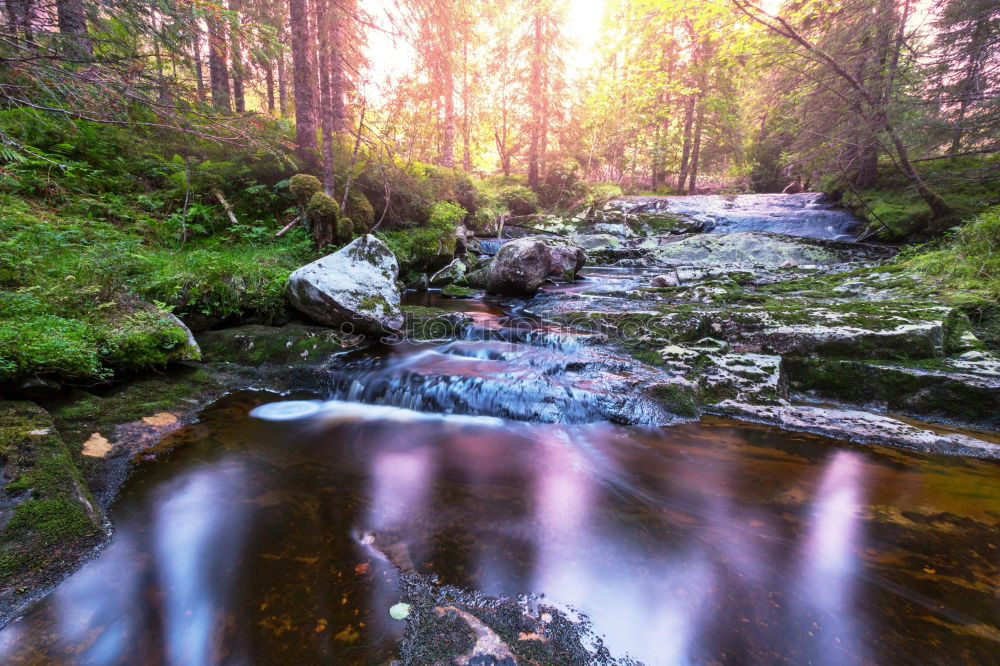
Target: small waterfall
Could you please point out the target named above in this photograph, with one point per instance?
(512, 372)
(803, 214)
(490, 246)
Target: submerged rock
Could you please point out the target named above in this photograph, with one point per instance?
(430, 324)
(259, 346)
(354, 288)
(522, 266)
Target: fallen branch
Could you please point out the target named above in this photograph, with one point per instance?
(226, 206)
(288, 227)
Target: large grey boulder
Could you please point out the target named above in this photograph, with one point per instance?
(355, 287)
(522, 266)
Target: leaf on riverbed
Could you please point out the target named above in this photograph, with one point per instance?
(97, 446)
(161, 419)
(348, 635)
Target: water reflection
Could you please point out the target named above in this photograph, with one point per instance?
(279, 541)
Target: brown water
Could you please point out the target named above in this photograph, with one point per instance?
(265, 535)
(698, 543)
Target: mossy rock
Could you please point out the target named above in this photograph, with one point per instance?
(456, 291)
(677, 398)
(292, 344)
(50, 514)
(303, 187)
(428, 324)
(321, 207)
(345, 230)
(928, 388)
(361, 212)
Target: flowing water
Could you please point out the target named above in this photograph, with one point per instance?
(806, 214)
(517, 461)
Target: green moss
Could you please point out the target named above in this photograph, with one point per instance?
(427, 323)
(141, 341)
(647, 356)
(430, 246)
(676, 398)
(969, 259)
(896, 210)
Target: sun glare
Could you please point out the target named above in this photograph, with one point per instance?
(390, 54)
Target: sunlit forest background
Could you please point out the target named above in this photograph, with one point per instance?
(157, 139)
(657, 95)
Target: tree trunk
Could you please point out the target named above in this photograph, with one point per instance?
(282, 86)
(323, 33)
(239, 72)
(304, 76)
(534, 98)
(867, 174)
(269, 82)
(73, 26)
(686, 146)
(696, 150)
(448, 82)
(199, 76)
(466, 153)
(21, 14)
(338, 78)
(217, 68)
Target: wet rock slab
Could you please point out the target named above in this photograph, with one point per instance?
(966, 388)
(858, 426)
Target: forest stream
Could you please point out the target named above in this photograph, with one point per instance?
(512, 463)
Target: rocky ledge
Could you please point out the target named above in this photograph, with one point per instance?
(766, 327)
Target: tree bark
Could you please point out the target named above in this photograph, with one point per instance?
(466, 152)
(696, 149)
(239, 100)
(324, 21)
(448, 82)
(534, 98)
(304, 76)
(282, 86)
(21, 14)
(338, 78)
(217, 68)
(269, 82)
(686, 145)
(73, 26)
(199, 76)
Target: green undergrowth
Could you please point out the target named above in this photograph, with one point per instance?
(429, 246)
(82, 298)
(969, 185)
(968, 259)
